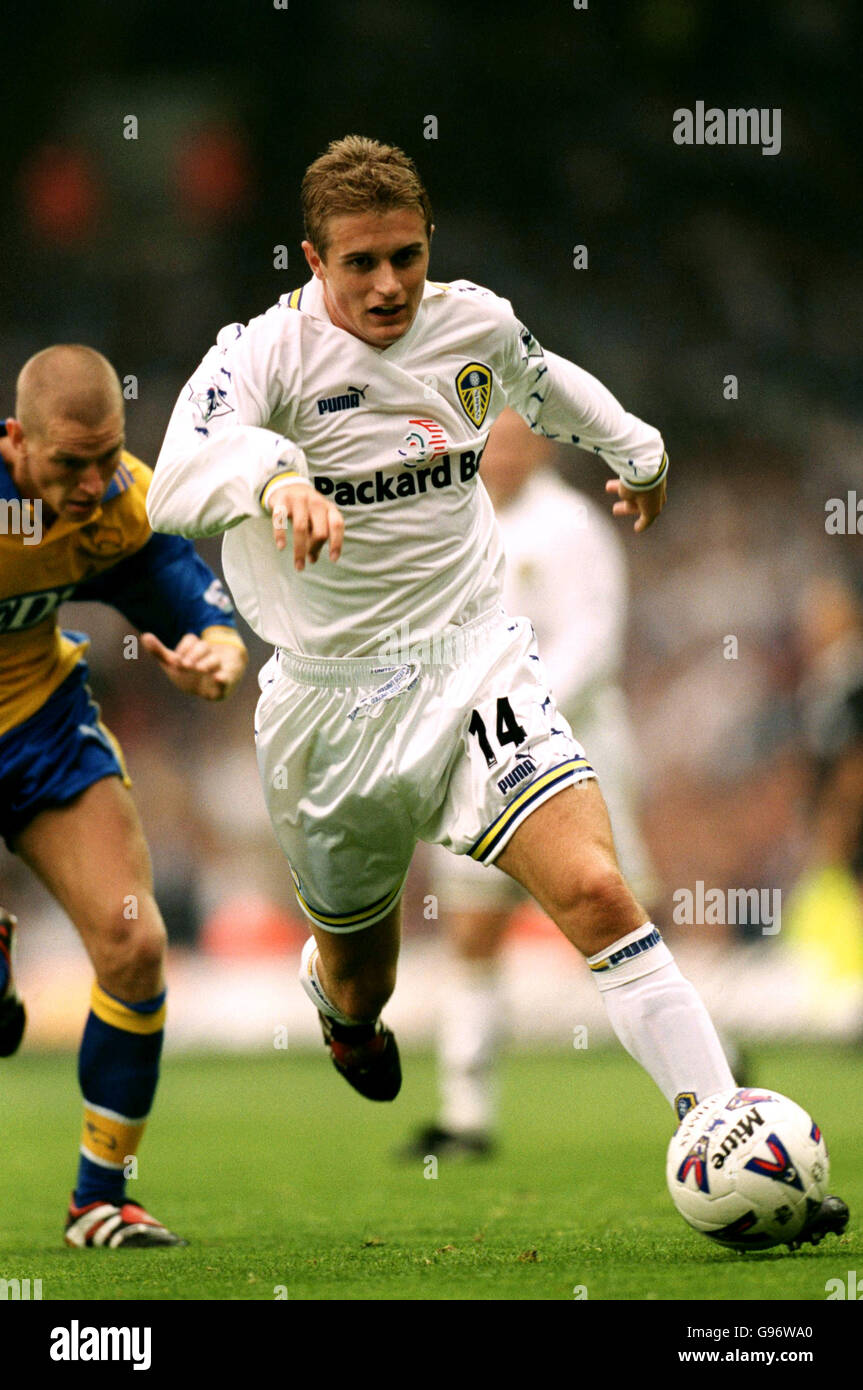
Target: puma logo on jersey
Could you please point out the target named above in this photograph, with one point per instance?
(349, 400)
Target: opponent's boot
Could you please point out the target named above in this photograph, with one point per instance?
(13, 1017)
(112, 1227)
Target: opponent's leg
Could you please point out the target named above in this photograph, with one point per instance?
(91, 855)
(563, 853)
(349, 977)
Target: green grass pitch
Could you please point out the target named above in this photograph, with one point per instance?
(284, 1180)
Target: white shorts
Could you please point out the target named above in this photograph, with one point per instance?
(360, 759)
(603, 724)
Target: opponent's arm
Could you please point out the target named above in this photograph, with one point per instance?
(209, 666)
(187, 620)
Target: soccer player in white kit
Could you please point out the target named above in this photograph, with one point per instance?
(402, 699)
(574, 590)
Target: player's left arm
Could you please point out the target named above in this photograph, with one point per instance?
(566, 403)
(186, 619)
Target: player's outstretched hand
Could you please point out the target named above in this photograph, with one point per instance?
(644, 505)
(207, 669)
(314, 521)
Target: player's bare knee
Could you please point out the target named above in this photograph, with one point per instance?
(594, 886)
(595, 907)
(129, 953)
(149, 947)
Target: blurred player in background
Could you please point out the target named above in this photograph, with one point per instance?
(573, 587)
(825, 913)
(74, 504)
(402, 702)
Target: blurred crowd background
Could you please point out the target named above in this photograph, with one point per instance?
(553, 131)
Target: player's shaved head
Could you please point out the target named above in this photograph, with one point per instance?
(66, 382)
(66, 439)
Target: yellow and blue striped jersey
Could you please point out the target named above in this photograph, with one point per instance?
(157, 582)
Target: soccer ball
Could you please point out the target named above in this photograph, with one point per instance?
(747, 1168)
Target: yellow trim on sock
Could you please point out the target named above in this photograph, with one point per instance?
(119, 1015)
(109, 1141)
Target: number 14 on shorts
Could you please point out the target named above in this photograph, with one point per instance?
(508, 729)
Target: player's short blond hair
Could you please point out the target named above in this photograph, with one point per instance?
(357, 174)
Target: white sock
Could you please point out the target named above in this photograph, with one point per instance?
(660, 1019)
(468, 1041)
(314, 989)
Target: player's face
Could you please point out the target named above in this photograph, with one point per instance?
(374, 272)
(69, 465)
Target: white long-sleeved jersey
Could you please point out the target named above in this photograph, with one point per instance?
(393, 436)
